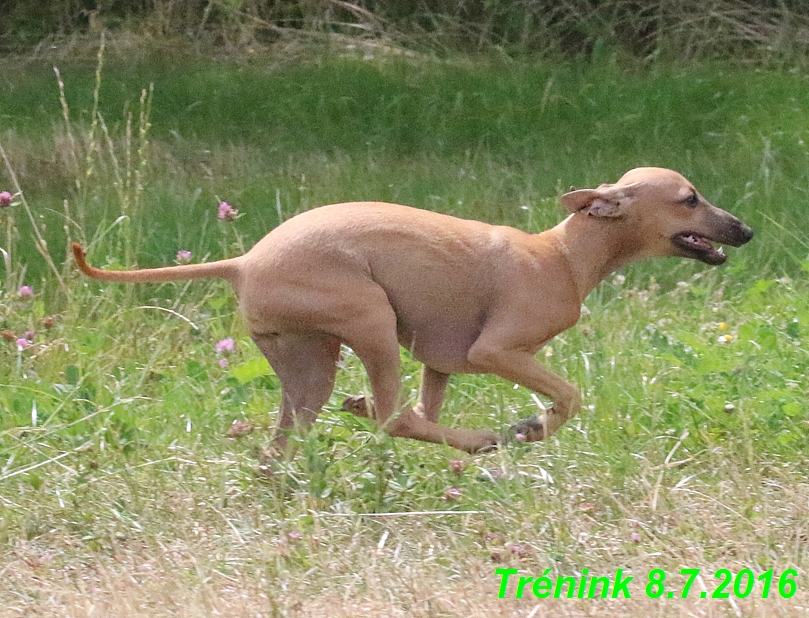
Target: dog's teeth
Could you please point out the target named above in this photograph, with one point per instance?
(690, 239)
(721, 250)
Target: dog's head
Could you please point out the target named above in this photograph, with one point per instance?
(666, 214)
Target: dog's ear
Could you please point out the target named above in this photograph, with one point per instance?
(606, 201)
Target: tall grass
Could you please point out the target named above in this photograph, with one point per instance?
(480, 142)
(125, 488)
(752, 29)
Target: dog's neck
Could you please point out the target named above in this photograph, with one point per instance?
(594, 247)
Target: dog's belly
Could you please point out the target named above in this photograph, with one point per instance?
(443, 346)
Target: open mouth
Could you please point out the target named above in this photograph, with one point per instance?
(698, 247)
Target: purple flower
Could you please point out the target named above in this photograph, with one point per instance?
(634, 537)
(225, 346)
(5, 199)
(520, 550)
(456, 466)
(25, 291)
(29, 334)
(452, 493)
(227, 212)
(520, 437)
(223, 363)
(23, 344)
(294, 536)
(183, 256)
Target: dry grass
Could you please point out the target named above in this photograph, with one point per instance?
(199, 552)
(758, 30)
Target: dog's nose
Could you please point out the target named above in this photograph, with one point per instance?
(747, 232)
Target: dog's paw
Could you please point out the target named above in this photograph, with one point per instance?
(358, 406)
(485, 442)
(530, 429)
(270, 460)
(270, 454)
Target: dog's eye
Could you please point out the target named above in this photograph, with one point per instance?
(692, 200)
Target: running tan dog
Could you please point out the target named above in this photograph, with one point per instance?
(464, 296)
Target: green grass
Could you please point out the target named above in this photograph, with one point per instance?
(477, 141)
(144, 506)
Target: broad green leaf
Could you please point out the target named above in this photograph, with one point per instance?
(38, 309)
(217, 302)
(759, 287)
(672, 360)
(766, 339)
(72, 374)
(793, 408)
(196, 371)
(794, 329)
(747, 332)
(250, 370)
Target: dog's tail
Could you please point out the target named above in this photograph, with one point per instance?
(223, 269)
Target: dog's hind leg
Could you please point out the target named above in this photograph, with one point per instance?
(433, 385)
(306, 366)
(418, 424)
(402, 421)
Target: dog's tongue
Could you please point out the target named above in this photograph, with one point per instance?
(699, 241)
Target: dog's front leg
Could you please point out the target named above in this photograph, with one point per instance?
(520, 366)
(433, 386)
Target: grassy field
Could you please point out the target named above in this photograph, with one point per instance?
(122, 490)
